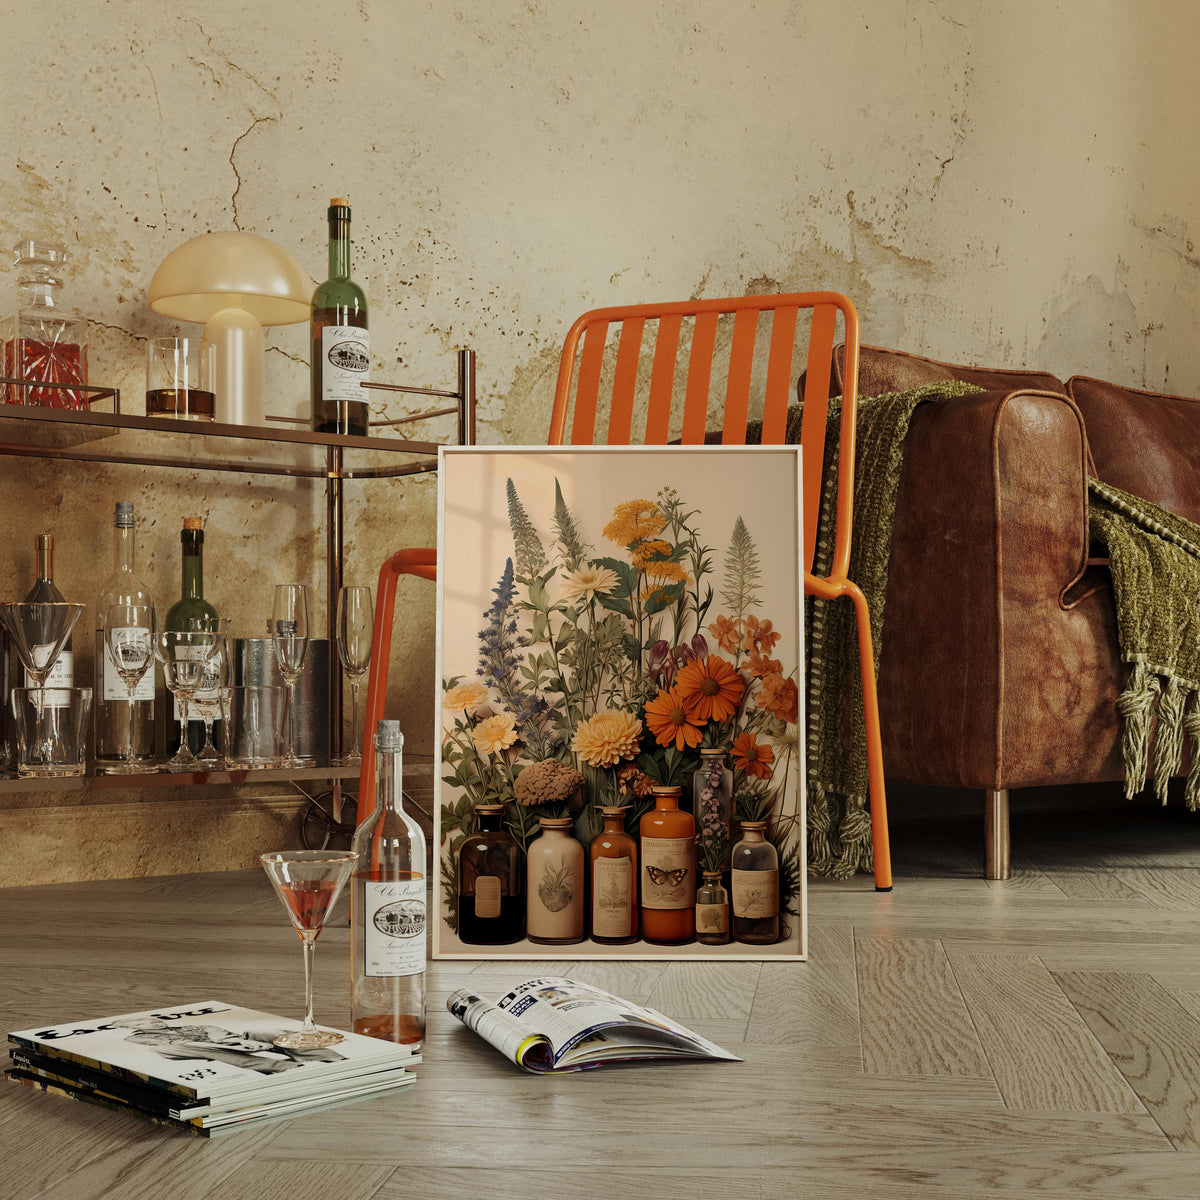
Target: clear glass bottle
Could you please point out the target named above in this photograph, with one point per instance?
(190, 606)
(755, 876)
(491, 883)
(341, 348)
(110, 696)
(614, 861)
(712, 911)
(554, 889)
(43, 342)
(712, 806)
(668, 876)
(388, 908)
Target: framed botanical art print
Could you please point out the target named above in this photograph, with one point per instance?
(619, 703)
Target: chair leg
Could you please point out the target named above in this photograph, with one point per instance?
(995, 835)
(880, 845)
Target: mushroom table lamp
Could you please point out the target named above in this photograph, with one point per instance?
(235, 283)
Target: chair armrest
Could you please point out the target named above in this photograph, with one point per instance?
(990, 535)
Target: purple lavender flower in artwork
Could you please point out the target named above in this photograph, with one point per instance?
(714, 837)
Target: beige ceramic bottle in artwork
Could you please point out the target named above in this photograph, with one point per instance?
(555, 885)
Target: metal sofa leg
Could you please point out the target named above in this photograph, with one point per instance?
(995, 834)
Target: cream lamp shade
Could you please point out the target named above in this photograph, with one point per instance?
(235, 283)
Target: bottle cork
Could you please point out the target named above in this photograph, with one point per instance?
(193, 523)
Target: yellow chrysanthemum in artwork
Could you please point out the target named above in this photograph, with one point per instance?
(494, 734)
(634, 521)
(464, 697)
(606, 738)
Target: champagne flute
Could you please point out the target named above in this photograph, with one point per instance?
(184, 656)
(308, 883)
(289, 633)
(355, 628)
(129, 642)
(207, 700)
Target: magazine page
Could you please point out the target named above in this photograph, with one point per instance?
(550, 1023)
(204, 1049)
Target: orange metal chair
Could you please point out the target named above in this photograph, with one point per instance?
(592, 378)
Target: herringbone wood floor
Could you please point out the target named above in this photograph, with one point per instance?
(956, 1038)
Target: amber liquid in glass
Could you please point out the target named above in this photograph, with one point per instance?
(309, 902)
(190, 404)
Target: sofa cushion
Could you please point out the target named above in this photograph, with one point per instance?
(1147, 443)
(881, 370)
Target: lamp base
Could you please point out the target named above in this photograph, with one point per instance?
(241, 372)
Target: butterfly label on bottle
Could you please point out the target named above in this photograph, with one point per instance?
(346, 350)
(668, 872)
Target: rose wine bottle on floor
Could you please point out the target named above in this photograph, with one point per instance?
(387, 908)
(341, 348)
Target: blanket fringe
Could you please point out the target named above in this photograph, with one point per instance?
(1191, 722)
(1136, 705)
(1168, 738)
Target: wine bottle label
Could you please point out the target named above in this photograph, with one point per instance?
(487, 896)
(612, 897)
(395, 928)
(712, 918)
(113, 686)
(346, 362)
(62, 675)
(668, 872)
(755, 894)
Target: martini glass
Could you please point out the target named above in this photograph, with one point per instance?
(39, 630)
(129, 638)
(308, 882)
(184, 657)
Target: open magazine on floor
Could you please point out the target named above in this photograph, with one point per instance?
(559, 1025)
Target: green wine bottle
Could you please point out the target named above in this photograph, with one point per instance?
(191, 605)
(341, 350)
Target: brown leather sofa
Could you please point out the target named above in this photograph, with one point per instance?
(999, 667)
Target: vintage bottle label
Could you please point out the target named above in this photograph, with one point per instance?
(555, 904)
(668, 872)
(612, 898)
(346, 354)
(712, 918)
(755, 894)
(487, 896)
(395, 928)
(114, 686)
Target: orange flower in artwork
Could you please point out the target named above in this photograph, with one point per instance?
(751, 756)
(759, 665)
(668, 718)
(759, 636)
(710, 688)
(780, 697)
(728, 633)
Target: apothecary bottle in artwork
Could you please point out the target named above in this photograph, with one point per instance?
(712, 806)
(712, 911)
(755, 885)
(554, 885)
(491, 883)
(668, 875)
(614, 863)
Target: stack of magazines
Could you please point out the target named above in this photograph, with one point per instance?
(208, 1067)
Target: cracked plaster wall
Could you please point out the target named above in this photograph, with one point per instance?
(1005, 183)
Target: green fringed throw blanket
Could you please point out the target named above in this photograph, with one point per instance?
(1155, 565)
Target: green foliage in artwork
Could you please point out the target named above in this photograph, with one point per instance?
(742, 572)
(528, 550)
(571, 546)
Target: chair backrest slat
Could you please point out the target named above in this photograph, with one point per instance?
(587, 392)
(812, 423)
(629, 347)
(741, 367)
(778, 389)
(695, 403)
(662, 380)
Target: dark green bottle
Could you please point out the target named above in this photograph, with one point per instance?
(191, 604)
(341, 349)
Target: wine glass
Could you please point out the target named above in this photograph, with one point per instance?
(289, 633)
(308, 882)
(207, 699)
(184, 656)
(129, 643)
(39, 630)
(355, 628)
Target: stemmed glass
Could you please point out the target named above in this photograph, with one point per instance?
(184, 657)
(289, 632)
(209, 695)
(129, 640)
(355, 628)
(308, 882)
(39, 630)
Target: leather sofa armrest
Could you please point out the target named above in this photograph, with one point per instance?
(990, 535)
